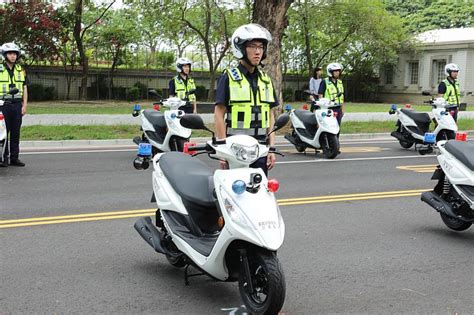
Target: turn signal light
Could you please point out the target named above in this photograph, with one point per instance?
(461, 136)
(273, 185)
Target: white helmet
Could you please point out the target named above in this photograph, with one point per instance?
(450, 67)
(181, 62)
(333, 67)
(247, 33)
(9, 47)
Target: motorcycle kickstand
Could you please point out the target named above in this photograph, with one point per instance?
(187, 275)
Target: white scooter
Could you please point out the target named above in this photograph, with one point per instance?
(316, 130)
(225, 223)
(163, 130)
(412, 126)
(453, 195)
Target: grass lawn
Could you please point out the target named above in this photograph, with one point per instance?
(122, 107)
(128, 132)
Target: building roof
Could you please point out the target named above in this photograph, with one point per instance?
(445, 36)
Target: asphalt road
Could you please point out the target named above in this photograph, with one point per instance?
(375, 249)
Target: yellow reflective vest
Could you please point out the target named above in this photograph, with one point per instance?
(6, 81)
(333, 89)
(180, 88)
(452, 94)
(249, 114)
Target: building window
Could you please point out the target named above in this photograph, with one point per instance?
(438, 70)
(413, 71)
(389, 75)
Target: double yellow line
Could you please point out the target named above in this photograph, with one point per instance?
(145, 212)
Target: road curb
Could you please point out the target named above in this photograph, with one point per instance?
(127, 143)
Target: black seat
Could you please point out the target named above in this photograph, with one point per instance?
(422, 118)
(307, 117)
(156, 118)
(463, 151)
(190, 178)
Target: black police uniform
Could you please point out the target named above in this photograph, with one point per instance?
(223, 96)
(13, 118)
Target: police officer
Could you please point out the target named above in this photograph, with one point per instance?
(449, 88)
(245, 95)
(332, 89)
(183, 83)
(12, 75)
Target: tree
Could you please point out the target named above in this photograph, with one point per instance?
(34, 26)
(271, 14)
(212, 22)
(425, 15)
(79, 33)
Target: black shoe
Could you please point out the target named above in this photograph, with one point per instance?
(17, 162)
(4, 163)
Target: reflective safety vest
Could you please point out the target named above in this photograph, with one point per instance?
(333, 89)
(5, 81)
(249, 114)
(452, 94)
(180, 88)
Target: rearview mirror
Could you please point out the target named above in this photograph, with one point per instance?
(153, 93)
(193, 121)
(281, 121)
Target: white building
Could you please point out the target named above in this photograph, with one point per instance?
(423, 69)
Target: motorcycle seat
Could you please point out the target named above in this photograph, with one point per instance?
(307, 117)
(191, 178)
(422, 118)
(463, 151)
(157, 119)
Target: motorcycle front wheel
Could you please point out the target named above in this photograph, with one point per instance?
(455, 224)
(268, 284)
(330, 145)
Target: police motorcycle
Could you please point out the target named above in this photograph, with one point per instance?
(225, 223)
(317, 129)
(163, 130)
(412, 126)
(453, 195)
(3, 127)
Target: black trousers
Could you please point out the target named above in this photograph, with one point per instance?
(13, 119)
(454, 111)
(261, 163)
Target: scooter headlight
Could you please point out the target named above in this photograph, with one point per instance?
(245, 153)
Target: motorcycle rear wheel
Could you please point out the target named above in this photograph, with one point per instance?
(455, 224)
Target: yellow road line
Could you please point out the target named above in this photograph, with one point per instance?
(418, 168)
(144, 212)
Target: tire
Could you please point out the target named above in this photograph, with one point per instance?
(405, 144)
(268, 282)
(445, 135)
(330, 145)
(455, 224)
(177, 144)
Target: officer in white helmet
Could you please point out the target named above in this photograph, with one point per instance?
(449, 88)
(12, 78)
(245, 96)
(333, 89)
(183, 83)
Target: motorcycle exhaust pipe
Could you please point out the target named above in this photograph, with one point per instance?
(398, 135)
(150, 234)
(440, 205)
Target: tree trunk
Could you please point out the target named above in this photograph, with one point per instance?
(307, 42)
(80, 47)
(271, 14)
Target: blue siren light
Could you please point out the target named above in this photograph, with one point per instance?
(239, 187)
(136, 107)
(144, 149)
(429, 138)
